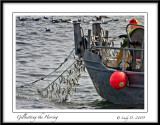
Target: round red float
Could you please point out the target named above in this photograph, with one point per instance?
(118, 80)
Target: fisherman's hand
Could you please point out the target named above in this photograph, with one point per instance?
(120, 36)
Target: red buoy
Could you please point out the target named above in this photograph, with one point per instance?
(118, 80)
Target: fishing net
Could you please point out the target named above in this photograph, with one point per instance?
(64, 84)
(62, 88)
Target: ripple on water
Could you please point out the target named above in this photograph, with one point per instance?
(39, 52)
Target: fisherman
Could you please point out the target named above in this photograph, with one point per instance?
(127, 55)
(132, 28)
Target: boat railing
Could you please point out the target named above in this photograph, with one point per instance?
(136, 64)
(102, 44)
(107, 47)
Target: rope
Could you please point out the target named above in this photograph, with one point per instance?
(57, 77)
(66, 59)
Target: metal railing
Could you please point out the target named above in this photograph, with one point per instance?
(119, 48)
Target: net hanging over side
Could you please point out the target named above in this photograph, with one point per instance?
(65, 84)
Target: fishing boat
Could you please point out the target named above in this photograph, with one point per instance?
(101, 59)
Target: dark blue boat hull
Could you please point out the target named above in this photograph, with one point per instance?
(100, 75)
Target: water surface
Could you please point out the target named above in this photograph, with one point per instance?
(39, 52)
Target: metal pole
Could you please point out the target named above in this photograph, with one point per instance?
(89, 39)
(102, 55)
(106, 36)
(116, 48)
(123, 61)
(78, 39)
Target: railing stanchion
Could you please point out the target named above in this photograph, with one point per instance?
(102, 55)
(123, 61)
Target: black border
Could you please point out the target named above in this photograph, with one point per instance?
(55, 1)
(75, 1)
(75, 109)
